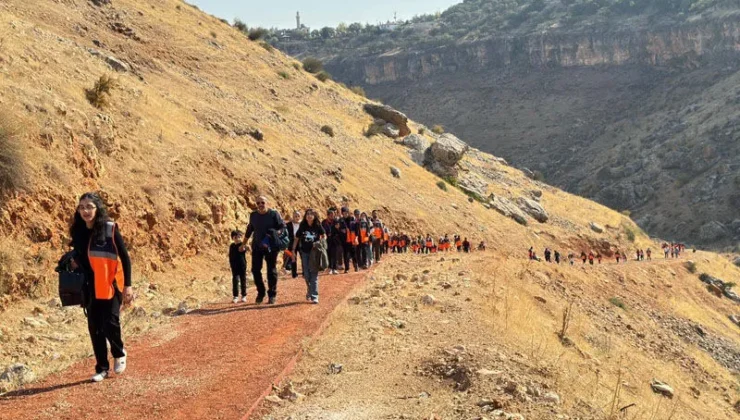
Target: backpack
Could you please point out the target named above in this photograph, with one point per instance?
(279, 239)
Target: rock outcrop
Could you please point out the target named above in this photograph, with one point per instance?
(507, 208)
(390, 115)
(444, 154)
(533, 209)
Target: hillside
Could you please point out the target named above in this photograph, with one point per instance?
(633, 108)
(200, 120)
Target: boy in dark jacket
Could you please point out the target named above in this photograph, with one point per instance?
(238, 263)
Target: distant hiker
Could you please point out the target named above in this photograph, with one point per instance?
(591, 257)
(377, 235)
(584, 257)
(638, 254)
(101, 254)
(482, 246)
(458, 243)
(363, 239)
(347, 228)
(666, 250)
(617, 255)
(530, 253)
(548, 255)
(238, 263)
(428, 244)
(334, 239)
(649, 254)
(557, 257)
(466, 245)
(624, 257)
(309, 234)
(571, 258)
(262, 224)
(598, 257)
(292, 226)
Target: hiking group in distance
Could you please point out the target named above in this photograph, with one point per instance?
(672, 249)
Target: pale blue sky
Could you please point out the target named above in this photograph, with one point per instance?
(318, 13)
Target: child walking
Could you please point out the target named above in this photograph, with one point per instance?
(238, 263)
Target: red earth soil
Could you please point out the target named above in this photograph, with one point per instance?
(214, 363)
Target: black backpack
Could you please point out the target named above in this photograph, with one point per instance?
(73, 287)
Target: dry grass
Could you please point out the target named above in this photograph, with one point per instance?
(12, 162)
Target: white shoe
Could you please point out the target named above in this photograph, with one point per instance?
(236, 300)
(98, 377)
(244, 299)
(119, 365)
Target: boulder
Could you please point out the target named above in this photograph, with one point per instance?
(735, 319)
(533, 209)
(508, 209)
(117, 64)
(596, 227)
(473, 184)
(730, 294)
(712, 231)
(737, 261)
(442, 157)
(414, 142)
(661, 388)
(390, 115)
(391, 131)
(551, 397)
(395, 172)
(14, 376)
(428, 300)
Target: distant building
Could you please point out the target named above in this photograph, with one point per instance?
(389, 26)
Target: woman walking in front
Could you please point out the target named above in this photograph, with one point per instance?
(102, 255)
(309, 233)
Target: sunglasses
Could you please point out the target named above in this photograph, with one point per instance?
(260, 202)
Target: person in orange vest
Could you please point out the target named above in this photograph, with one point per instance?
(334, 240)
(394, 243)
(347, 228)
(101, 254)
(591, 257)
(363, 241)
(377, 236)
(458, 243)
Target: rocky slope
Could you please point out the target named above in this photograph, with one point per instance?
(639, 114)
(200, 120)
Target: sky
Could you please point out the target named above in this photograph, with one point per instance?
(318, 13)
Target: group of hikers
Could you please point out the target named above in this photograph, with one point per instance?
(640, 255)
(343, 239)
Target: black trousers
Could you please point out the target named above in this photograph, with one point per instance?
(239, 278)
(258, 257)
(335, 255)
(350, 253)
(104, 324)
(377, 250)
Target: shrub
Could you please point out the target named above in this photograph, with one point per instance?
(213, 34)
(373, 129)
(358, 90)
(297, 66)
(327, 130)
(100, 92)
(730, 285)
(313, 65)
(618, 303)
(257, 33)
(284, 74)
(12, 167)
(691, 266)
(630, 234)
(323, 76)
(438, 129)
(442, 185)
(539, 176)
(705, 277)
(241, 26)
(267, 46)
(626, 213)
(451, 180)
(422, 130)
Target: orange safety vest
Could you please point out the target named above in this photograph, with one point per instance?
(378, 233)
(364, 238)
(106, 265)
(458, 244)
(429, 244)
(402, 243)
(393, 243)
(351, 235)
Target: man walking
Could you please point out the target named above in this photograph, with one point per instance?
(263, 224)
(334, 239)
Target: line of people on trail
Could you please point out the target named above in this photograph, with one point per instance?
(591, 257)
(97, 270)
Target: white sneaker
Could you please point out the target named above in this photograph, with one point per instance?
(244, 299)
(236, 300)
(119, 365)
(98, 377)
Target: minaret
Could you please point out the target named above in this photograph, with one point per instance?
(298, 20)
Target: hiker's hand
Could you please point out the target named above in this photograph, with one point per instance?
(243, 248)
(128, 295)
(73, 264)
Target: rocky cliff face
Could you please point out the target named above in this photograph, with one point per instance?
(644, 121)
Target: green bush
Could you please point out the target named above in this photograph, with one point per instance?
(358, 90)
(327, 130)
(373, 129)
(323, 76)
(422, 130)
(313, 65)
(618, 303)
(241, 26)
(442, 185)
(257, 33)
(283, 74)
(214, 34)
(691, 266)
(451, 180)
(627, 213)
(99, 94)
(438, 129)
(705, 277)
(297, 66)
(267, 46)
(630, 234)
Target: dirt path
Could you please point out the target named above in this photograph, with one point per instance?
(213, 363)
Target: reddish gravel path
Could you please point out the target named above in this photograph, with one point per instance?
(214, 363)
